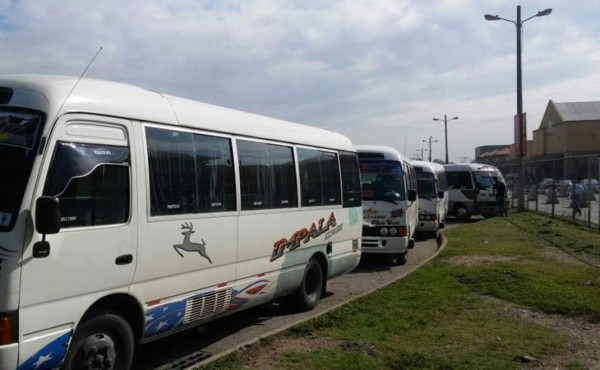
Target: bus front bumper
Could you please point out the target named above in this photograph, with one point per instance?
(384, 245)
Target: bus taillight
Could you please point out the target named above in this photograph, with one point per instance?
(403, 231)
(7, 330)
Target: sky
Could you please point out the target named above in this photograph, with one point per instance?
(377, 71)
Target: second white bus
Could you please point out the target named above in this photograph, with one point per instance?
(390, 204)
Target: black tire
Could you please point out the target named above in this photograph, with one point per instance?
(387, 258)
(309, 292)
(461, 213)
(106, 340)
(401, 259)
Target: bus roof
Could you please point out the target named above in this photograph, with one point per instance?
(386, 152)
(469, 167)
(430, 167)
(132, 102)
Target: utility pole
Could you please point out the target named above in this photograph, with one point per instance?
(520, 129)
(446, 132)
(430, 140)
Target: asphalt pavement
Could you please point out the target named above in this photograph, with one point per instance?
(563, 208)
(216, 339)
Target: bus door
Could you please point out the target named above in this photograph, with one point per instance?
(87, 167)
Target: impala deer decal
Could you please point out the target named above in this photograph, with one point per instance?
(187, 245)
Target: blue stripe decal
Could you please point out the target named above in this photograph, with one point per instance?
(50, 356)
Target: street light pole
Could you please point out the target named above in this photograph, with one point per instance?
(446, 132)
(519, 118)
(430, 139)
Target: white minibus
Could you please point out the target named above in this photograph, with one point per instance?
(433, 196)
(470, 190)
(127, 215)
(390, 205)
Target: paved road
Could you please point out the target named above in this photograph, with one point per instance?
(200, 346)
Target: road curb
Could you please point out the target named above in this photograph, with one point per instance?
(441, 241)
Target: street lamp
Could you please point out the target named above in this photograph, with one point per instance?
(446, 132)
(430, 141)
(519, 118)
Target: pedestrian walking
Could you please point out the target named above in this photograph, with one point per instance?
(500, 190)
(576, 196)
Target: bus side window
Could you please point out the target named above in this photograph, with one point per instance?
(267, 175)
(92, 183)
(320, 177)
(189, 173)
(352, 196)
(459, 180)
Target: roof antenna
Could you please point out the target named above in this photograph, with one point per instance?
(77, 82)
(43, 142)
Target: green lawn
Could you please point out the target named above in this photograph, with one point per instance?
(440, 317)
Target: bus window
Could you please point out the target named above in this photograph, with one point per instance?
(19, 133)
(267, 175)
(426, 185)
(316, 169)
(484, 180)
(189, 173)
(91, 182)
(459, 180)
(382, 180)
(350, 179)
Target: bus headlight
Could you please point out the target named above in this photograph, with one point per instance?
(393, 231)
(383, 231)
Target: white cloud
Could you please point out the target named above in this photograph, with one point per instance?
(373, 70)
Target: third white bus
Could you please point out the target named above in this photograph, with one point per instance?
(390, 204)
(433, 196)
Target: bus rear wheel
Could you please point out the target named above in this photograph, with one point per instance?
(309, 292)
(104, 342)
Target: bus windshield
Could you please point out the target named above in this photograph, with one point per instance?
(426, 185)
(19, 132)
(382, 180)
(484, 180)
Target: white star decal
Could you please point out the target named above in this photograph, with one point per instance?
(151, 317)
(161, 325)
(42, 359)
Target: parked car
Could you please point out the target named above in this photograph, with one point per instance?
(594, 183)
(564, 188)
(544, 185)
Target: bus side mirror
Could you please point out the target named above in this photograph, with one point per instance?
(440, 194)
(412, 195)
(47, 215)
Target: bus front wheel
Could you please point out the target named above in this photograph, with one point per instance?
(103, 342)
(461, 213)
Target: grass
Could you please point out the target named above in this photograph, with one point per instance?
(439, 317)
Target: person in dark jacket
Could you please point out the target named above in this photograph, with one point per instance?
(500, 190)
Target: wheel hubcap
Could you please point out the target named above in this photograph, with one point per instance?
(98, 352)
